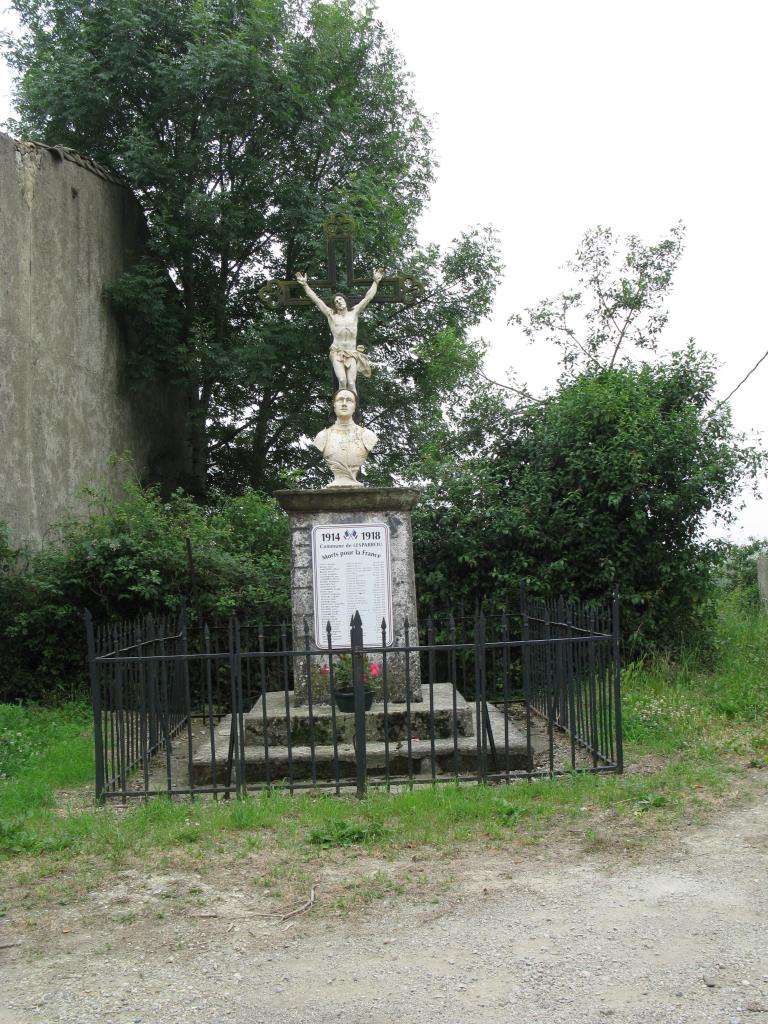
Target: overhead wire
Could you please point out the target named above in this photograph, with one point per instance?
(742, 381)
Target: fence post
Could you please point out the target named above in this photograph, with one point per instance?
(240, 712)
(431, 683)
(153, 687)
(408, 723)
(119, 701)
(526, 673)
(550, 688)
(385, 698)
(616, 641)
(182, 668)
(358, 686)
(310, 712)
(479, 655)
(332, 699)
(146, 752)
(264, 719)
(206, 650)
(570, 656)
(98, 736)
(592, 668)
(235, 685)
(489, 743)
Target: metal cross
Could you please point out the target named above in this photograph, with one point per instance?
(339, 229)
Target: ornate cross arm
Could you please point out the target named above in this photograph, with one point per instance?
(405, 290)
(340, 229)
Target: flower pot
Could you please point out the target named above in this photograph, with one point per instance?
(345, 700)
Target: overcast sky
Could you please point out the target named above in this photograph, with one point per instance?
(554, 116)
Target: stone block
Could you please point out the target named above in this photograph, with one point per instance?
(332, 506)
(436, 716)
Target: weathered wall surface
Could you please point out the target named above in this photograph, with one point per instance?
(65, 232)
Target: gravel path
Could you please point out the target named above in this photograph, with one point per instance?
(530, 937)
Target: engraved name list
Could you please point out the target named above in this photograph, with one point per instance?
(351, 572)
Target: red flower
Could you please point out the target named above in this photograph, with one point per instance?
(324, 670)
(375, 669)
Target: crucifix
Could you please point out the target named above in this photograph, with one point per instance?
(347, 357)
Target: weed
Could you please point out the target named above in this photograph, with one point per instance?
(364, 891)
(128, 918)
(594, 841)
(646, 803)
(511, 814)
(346, 833)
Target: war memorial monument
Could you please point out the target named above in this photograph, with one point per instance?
(353, 588)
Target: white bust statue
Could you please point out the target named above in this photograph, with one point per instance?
(345, 445)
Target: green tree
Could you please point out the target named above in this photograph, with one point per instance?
(240, 124)
(608, 484)
(617, 307)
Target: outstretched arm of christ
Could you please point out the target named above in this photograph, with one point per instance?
(302, 279)
(377, 276)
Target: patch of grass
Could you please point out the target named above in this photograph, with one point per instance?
(53, 746)
(363, 891)
(127, 918)
(42, 750)
(347, 833)
(669, 704)
(704, 720)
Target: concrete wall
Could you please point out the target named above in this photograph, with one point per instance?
(66, 230)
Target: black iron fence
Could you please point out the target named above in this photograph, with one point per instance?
(222, 709)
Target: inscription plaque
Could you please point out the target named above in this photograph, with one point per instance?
(351, 572)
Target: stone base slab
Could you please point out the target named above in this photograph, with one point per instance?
(462, 756)
(393, 723)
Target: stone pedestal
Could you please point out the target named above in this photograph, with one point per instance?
(287, 742)
(358, 511)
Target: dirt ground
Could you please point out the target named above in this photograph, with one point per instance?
(677, 933)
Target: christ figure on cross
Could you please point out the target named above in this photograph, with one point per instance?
(347, 357)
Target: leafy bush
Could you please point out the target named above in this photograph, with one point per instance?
(608, 483)
(128, 557)
(739, 571)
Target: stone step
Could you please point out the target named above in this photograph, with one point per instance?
(462, 757)
(378, 725)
